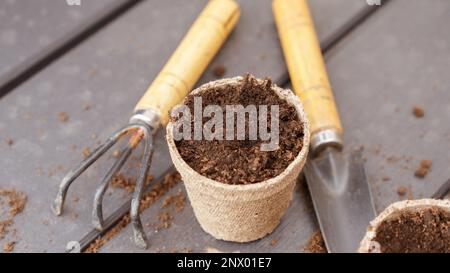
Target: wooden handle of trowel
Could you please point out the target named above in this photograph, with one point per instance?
(190, 59)
(306, 65)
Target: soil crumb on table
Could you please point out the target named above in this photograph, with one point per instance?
(63, 117)
(176, 200)
(87, 106)
(128, 184)
(9, 141)
(273, 242)
(424, 168)
(402, 190)
(219, 70)
(425, 230)
(9, 247)
(116, 153)
(418, 111)
(12, 203)
(174, 203)
(161, 188)
(86, 152)
(242, 161)
(4, 227)
(165, 219)
(16, 201)
(316, 244)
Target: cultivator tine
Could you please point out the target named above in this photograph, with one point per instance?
(139, 235)
(86, 163)
(97, 212)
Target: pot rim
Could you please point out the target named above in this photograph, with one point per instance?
(285, 94)
(393, 210)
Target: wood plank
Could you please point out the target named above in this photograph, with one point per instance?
(35, 33)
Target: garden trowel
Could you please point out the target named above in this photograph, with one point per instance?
(337, 181)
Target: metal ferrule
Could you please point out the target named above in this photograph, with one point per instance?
(324, 139)
(147, 116)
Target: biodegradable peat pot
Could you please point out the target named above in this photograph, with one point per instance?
(408, 210)
(241, 213)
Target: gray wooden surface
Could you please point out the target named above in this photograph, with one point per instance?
(29, 28)
(384, 67)
(398, 59)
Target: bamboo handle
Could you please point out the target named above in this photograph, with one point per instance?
(306, 65)
(190, 59)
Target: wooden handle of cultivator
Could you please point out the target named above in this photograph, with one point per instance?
(306, 65)
(190, 59)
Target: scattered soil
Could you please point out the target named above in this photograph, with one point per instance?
(385, 178)
(128, 184)
(219, 70)
(273, 242)
(4, 227)
(426, 164)
(148, 199)
(418, 112)
(63, 117)
(12, 202)
(9, 141)
(174, 203)
(176, 200)
(120, 181)
(425, 230)
(165, 219)
(9, 247)
(424, 168)
(86, 152)
(421, 173)
(242, 162)
(17, 201)
(87, 106)
(116, 153)
(316, 244)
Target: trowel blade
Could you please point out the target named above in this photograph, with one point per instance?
(342, 198)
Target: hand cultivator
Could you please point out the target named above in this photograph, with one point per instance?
(176, 79)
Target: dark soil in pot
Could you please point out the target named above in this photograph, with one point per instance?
(424, 230)
(242, 161)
